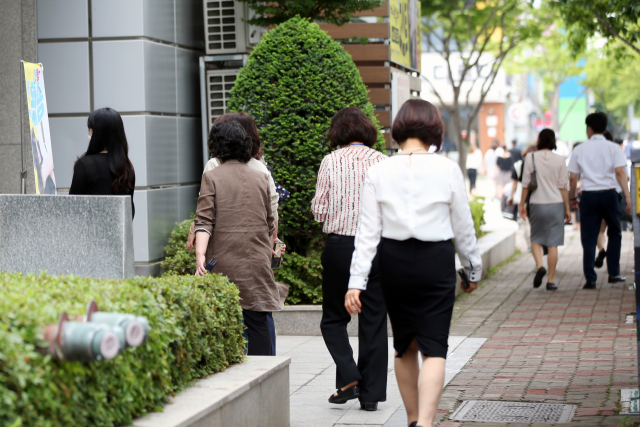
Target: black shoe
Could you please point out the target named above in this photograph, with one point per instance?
(413, 424)
(617, 279)
(600, 258)
(589, 286)
(345, 395)
(537, 281)
(369, 406)
(551, 287)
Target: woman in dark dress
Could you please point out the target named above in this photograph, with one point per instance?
(105, 168)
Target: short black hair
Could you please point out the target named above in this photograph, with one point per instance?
(546, 140)
(597, 121)
(419, 119)
(352, 125)
(229, 141)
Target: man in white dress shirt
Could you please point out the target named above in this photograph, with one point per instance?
(600, 165)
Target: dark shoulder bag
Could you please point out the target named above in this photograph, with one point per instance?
(533, 184)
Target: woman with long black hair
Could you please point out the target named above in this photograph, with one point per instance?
(105, 169)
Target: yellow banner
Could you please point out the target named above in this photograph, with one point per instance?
(39, 125)
(406, 43)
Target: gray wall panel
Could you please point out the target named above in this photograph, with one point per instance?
(159, 19)
(68, 141)
(190, 23)
(117, 18)
(188, 200)
(119, 75)
(62, 19)
(189, 150)
(162, 150)
(163, 213)
(160, 77)
(135, 129)
(188, 81)
(141, 227)
(66, 73)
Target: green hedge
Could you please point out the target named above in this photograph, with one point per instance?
(294, 82)
(196, 330)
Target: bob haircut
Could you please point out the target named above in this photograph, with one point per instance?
(229, 141)
(546, 140)
(351, 125)
(249, 126)
(108, 134)
(419, 119)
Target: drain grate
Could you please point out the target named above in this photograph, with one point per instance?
(509, 412)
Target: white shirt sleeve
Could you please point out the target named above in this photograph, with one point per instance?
(367, 236)
(573, 162)
(463, 229)
(619, 160)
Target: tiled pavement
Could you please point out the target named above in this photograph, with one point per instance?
(570, 346)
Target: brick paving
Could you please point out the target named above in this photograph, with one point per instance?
(570, 346)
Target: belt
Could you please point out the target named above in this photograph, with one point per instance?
(599, 191)
(339, 237)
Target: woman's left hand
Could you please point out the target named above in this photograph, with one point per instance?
(352, 301)
(523, 211)
(567, 216)
(200, 270)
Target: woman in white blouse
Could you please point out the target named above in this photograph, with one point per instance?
(414, 206)
(337, 204)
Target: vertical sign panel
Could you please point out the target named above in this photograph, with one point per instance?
(404, 16)
(39, 126)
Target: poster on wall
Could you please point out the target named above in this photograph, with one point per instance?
(39, 127)
(400, 92)
(404, 17)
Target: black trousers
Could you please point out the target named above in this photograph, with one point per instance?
(257, 332)
(371, 369)
(595, 207)
(473, 174)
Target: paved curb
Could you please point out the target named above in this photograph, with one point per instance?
(304, 320)
(255, 392)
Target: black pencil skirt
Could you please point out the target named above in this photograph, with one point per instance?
(418, 284)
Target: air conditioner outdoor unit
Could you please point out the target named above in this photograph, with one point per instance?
(226, 30)
(219, 84)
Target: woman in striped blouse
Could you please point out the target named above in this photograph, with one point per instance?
(337, 204)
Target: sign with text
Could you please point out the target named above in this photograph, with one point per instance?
(404, 17)
(39, 126)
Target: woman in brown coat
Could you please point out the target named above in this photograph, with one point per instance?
(233, 225)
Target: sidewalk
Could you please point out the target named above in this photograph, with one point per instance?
(572, 346)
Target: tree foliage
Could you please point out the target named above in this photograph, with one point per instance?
(464, 33)
(295, 80)
(615, 20)
(549, 58)
(331, 11)
(614, 83)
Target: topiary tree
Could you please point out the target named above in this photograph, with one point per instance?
(295, 80)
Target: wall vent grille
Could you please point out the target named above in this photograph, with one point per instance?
(224, 27)
(219, 84)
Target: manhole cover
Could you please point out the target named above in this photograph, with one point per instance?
(508, 412)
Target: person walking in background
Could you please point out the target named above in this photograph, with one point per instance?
(236, 199)
(337, 205)
(413, 205)
(490, 158)
(548, 204)
(503, 175)
(249, 126)
(599, 164)
(474, 164)
(602, 240)
(105, 169)
(516, 154)
(515, 196)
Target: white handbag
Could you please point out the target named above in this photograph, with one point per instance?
(517, 196)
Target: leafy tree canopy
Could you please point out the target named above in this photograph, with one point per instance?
(331, 11)
(615, 20)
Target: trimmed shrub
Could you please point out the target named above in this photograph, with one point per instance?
(304, 277)
(477, 212)
(196, 330)
(177, 259)
(294, 82)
